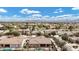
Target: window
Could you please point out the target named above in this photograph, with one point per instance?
(48, 45)
(1, 45)
(75, 47)
(7, 45)
(42, 45)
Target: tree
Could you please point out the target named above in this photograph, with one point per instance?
(1, 34)
(65, 37)
(70, 28)
(47, 34)
(33, 27)
(53, 33)
(27, 45)
(15, 33)
(58, 26)
(9, 27)
(77, 41)
(38, 34)
(58, 42)
(76, 34)
(71, 40)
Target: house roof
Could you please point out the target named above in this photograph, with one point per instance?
(23, 29)
(19, 40)
(63, 32)
(74, 38)
(39, 40)
(1, 25)
(11, 40)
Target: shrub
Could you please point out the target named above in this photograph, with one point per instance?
(53, 33)
(1, 34)
(38, 34)
(65, 37)
(15, 33)
(70, 28)
(47, 35)
(63, 49)
(66, 48)
(76, 34)
(71, 40)
(59, 43)
(24, 46)
(77, 41)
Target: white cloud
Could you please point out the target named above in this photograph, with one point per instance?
(47, 16)
(2, 10)
(16, 16)
(75, 8)
(66, 17)
(58, 10)
(27, 11)
(55, 12)
(37, 15)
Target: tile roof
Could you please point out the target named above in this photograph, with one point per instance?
(39, 40)
(11, 40)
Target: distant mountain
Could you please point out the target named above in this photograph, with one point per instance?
(43, 20)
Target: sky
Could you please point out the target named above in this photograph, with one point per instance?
(38, 13)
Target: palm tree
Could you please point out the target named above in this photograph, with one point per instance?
(27, 45)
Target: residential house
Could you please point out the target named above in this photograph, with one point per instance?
(12, 42)
(24, 31)
(39, 42)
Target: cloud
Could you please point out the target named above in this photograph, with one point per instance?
(36, 15)
(46, 16)
(66, 17)
(55, 12)
(2, 10)
(75, 8)
(58, 10)
(16, 16)
(27, 11)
